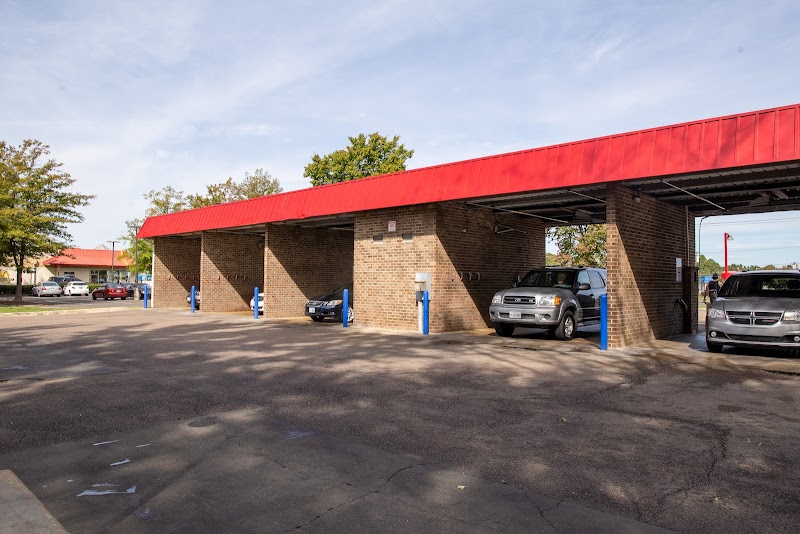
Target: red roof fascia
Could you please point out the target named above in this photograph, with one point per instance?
(754, 138)
(83, 257)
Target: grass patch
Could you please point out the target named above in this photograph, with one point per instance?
(17, 309)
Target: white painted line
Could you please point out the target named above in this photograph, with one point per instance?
(145, 445)
(104, 443)
(125, 461)
(93, 493)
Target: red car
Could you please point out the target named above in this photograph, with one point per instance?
(110, 291)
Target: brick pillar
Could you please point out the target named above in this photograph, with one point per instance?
(474, 261)
(175, 270)
(645, 236)
(300, 263)
(231, 266)
(385, 264)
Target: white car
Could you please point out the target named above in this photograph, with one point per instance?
(47, 289)
(76, 288)
(260, 303)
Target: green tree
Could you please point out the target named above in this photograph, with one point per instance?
(165, 200)
(255, 185)
(35, 204)
(550, 259)
(707, 266)
(365, 156)
(583, 244)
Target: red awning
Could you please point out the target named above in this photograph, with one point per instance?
(83, 257)
(754, 138)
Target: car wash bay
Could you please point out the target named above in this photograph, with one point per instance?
(471, 228)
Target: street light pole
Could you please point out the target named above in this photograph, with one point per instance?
(111, 275)
(728, 237)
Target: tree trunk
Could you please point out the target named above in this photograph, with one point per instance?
(18, 294)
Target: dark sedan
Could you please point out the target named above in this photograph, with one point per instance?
(110, 291)
(131, 289)
(330, 305)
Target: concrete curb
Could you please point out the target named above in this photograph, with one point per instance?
(21, 511)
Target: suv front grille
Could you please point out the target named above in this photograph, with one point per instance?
(754, 318)
(519, 301)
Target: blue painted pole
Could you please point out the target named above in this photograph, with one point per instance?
(145, 296)
(425, 306)
(192, 299)
(345, 305)
(255, 304)
(603, 322)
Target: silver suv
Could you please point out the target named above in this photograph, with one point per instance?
(558, 299)
(759, 308)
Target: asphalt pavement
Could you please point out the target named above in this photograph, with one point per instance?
(160, 420)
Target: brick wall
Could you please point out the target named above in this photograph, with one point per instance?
(175, 270)
(644, 239)
(385, 270)
(473, 262)
(300, 263)
(231, 266)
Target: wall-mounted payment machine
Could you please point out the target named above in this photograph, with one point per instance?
(422, 283)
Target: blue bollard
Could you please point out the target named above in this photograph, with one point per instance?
(255, 304)
(603, 322)
(345, 305)
(425, 307)
(192, 299)
(145, 296)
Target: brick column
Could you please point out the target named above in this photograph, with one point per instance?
(300, 263)
(474, 261)
(385, 264)
(231, 266)
(175, 270)
(645, 236)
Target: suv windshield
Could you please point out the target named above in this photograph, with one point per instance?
(548, 278)
(762, 285)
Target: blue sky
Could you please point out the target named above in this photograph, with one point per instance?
(133, 96)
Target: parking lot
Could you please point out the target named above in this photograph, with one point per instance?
(159, 420)
(73, 301)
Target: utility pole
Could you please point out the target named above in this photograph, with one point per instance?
(111, 275)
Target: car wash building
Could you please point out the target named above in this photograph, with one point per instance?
(465, 230)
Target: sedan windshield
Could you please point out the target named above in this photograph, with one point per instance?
(562, 279)
(762, 285)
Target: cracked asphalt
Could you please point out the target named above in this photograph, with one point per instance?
(231, 424)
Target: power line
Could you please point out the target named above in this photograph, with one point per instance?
(736, 223)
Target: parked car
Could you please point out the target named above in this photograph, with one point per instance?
(63, 280)
(76, 288)
(330, 305)
(260, 303)
(110, 291)
(756, 309)
(47, 289)
(131, 289)
(196, 299)
(559, 299)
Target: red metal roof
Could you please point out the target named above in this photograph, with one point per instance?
(754, 138)
(89, 257)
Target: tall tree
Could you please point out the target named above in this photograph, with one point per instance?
(35, 204)
(165, 200)
(365, 156)
(583, 244)
(258, 184)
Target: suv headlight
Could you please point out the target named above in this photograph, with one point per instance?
(791, 315)
(548, 301)
(497, 299)
(716, 313)
(333, 303)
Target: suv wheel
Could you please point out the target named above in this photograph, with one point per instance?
(566, 329)
(504, 329)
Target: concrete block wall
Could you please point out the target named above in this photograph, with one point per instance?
(645, 236)
(300, 263)
(175, 270)
(231, 266)
(473, 262)
(385, 264)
